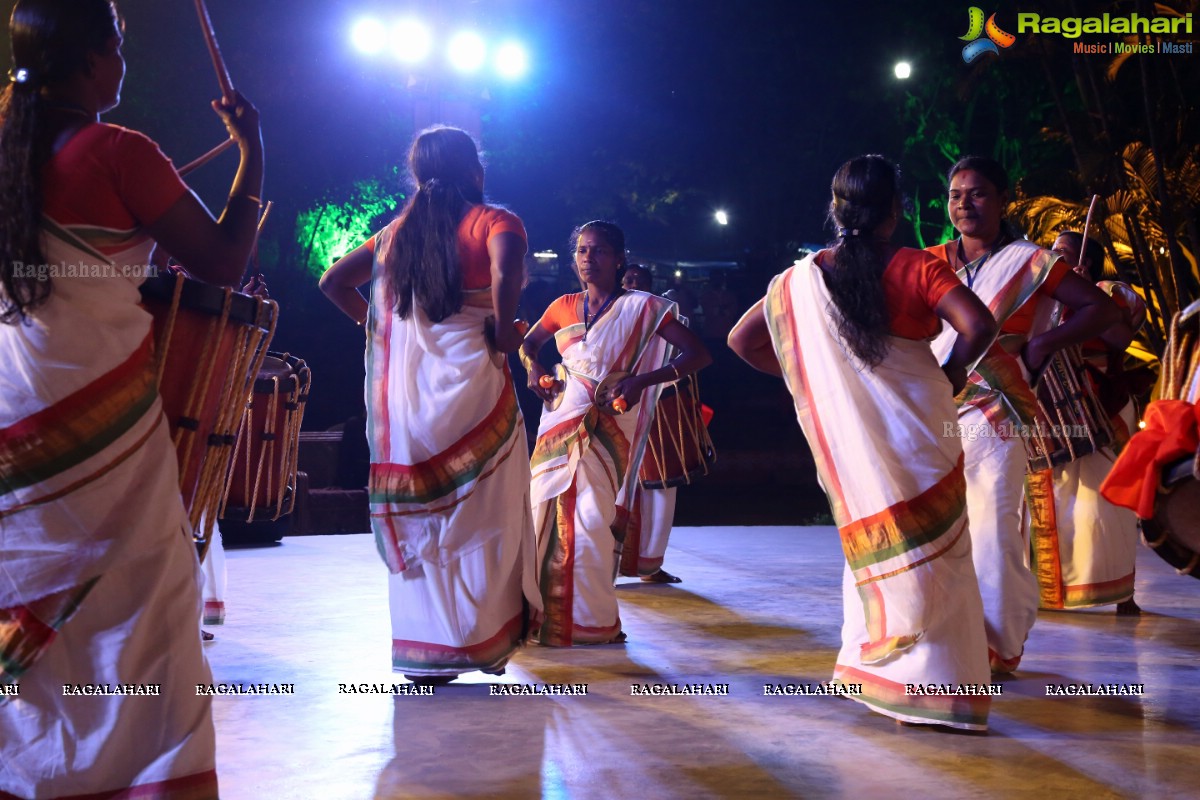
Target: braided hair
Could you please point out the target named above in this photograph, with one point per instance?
(865, 193)
(423, 263)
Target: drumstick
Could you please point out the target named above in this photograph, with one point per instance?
(258, 235)
(263, 219)
(207, 157)
(1087, 224)
(214, 50)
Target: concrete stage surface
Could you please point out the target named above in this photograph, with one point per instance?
(757, 606)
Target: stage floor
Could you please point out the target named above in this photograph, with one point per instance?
(757, 606)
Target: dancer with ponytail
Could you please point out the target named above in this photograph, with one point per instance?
(848, 329)
(449, 481)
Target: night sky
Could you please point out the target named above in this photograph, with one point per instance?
(748, 106)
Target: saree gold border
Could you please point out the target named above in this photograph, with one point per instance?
(558, 570)
(1043, 538)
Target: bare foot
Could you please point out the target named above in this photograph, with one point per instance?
(661, 576)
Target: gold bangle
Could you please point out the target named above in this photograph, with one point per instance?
(257, 200)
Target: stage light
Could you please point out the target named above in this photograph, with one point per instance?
(511, 60)
(721, 217)
(411, 41)
(467, 52)
(903, 70)
(368, 36)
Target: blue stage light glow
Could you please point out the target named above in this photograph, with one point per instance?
(411, 41)
(368, 35)
(467, 52)
(511, 60)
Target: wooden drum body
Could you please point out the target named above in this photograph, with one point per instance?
(679, 449)
(262, 478)
(1174, 530)
(1071, 421)
(209, 341)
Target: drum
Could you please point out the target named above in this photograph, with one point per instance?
(1071, 421)
(1173, 532)
(209, 344)
(679, 449)
(262, 477)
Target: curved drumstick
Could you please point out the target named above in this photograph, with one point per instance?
(257, 235)
(207, 157)
(263, 219)
(1087, 224)
(214, 50)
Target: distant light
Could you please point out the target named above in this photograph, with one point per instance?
(678, 273)
(903, 70)
(511, 60)
(368, 36)
(1162, 250)
(545, 254)
(467, 52)
(411, 41)
(721, 217)
(1141, 423)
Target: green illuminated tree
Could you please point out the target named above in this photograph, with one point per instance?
(335, 226)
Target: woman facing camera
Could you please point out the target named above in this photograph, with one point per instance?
(849, 330)
(98, 572)
(449, 480)
(1021, 283)
(593, 431)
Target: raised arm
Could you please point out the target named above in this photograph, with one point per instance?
(751, 340)
(693, 357)
(965, 312)
(217, 251)
(1119, 336)
(341, 281)
(1092, 313)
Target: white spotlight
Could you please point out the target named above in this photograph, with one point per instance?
(467, 52)
(721, 217)
(903, 70)
(511, 60)
(368, 36)
(411, 41)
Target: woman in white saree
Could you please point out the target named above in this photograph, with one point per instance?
(449, 481)
(98, 571)
(848, 329)
(586, 459)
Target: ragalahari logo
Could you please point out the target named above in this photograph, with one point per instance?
(976, 28)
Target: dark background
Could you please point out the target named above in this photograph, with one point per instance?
(652, 113)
